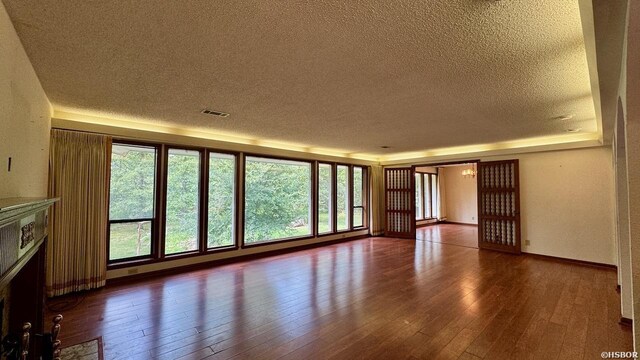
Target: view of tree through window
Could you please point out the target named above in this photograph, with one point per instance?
(342, 193)
(131, 201)
(221, 219)
(277, 196)
(277, 199)
(183, 179)
(325, 201)
(358, 206)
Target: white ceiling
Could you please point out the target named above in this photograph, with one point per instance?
(349, 76)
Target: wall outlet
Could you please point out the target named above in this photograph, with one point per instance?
(527, 242)
(132, 271)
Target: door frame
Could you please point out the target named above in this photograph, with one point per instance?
(448, 163)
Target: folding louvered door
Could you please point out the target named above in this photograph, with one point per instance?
(399, 203)
(499, 206)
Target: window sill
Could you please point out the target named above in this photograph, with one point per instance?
(271, 242)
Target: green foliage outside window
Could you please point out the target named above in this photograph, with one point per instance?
(277, 199)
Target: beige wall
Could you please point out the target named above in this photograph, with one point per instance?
(567, 203)
(461, 195)
(25, 118)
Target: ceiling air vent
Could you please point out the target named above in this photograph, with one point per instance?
(215, 113)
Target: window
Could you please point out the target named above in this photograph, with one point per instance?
(358, 198)
(325, 198)
(342, 197)
(167, 201)
(221, 203)
(419, 195)
(183, 201)
(277, 199)
(426, 196)
(434, 195)
(132, 201)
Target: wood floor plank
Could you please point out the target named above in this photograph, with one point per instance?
(376, 298)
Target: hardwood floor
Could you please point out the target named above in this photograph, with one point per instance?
(377, 298)
(452, 234)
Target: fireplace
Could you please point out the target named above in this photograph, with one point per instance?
(23, 237)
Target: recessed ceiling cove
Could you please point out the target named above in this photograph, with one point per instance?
(334, 74)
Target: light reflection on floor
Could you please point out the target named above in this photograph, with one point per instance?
(450, 234)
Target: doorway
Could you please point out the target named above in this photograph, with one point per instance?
(498, 201)
(446, 204)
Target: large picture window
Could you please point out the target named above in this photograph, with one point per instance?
(182, 209)
(172, 202)
(277, 199)
(222, 196)
(132, 201)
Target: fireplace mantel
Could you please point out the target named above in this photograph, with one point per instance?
(23, 228)
(12, 208)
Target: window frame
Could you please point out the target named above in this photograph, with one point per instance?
(420, 212)
(332, 197)
(426, 180)
(312, 201)
(158, 223)
(349, 198)
(156, 206)
(236, 202)
(364, 204)
(163, 225)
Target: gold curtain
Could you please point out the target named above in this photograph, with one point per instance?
(442, 195)
(377, 201)
(79, 166)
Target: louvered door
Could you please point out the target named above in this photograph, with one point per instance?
(499, 206)
(399, 203)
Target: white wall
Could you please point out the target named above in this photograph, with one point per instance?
(25, 119)
(567, 203)
(461, 195)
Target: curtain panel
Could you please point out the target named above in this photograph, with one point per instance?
(442, 195)
(377, 201)
(79, 168)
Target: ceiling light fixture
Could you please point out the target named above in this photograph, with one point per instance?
(470, 173)
(215, 113)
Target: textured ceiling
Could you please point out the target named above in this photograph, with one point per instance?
(349, 76)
